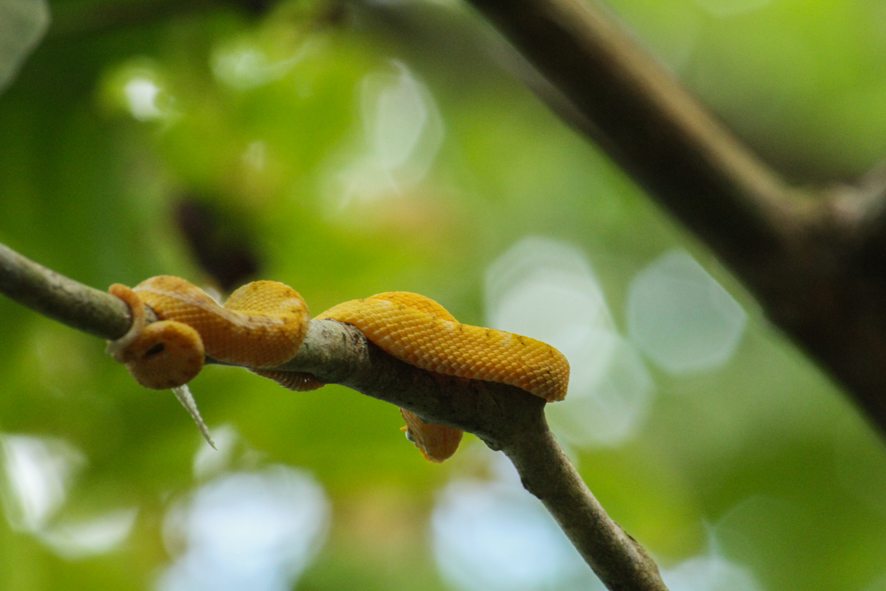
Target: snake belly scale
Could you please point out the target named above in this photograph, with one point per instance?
(263, 323)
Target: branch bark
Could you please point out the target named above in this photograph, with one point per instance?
(814, 259)
(504, 417)
(54, 295)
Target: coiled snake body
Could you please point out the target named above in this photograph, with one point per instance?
(263, 323)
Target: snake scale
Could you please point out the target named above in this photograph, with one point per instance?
(262, 325)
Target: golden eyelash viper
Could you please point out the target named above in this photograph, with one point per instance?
(263, 323)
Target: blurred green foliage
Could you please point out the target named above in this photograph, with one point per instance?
(362, 147)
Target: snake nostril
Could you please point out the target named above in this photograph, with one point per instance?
(155, 350)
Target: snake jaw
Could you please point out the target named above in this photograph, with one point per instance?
(184, 396)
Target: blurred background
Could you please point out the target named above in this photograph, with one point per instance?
(348, 148)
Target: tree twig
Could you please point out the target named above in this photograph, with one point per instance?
(616, 557)
(504, 417)
(54, 295)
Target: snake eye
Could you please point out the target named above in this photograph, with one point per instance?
(154, 350)
(409, 436)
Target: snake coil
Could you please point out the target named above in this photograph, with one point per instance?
(262, 325)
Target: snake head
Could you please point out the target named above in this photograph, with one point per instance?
(167, 354)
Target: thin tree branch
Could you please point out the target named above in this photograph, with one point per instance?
(54, 295)
(615, 556)
(505, 418)
(814, 259)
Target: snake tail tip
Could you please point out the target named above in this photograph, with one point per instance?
(184, 396)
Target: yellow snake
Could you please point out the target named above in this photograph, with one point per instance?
(262, 325)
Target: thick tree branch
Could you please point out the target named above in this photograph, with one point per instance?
(649, 124)
(814, 260)
(862, 209)
(504, 417)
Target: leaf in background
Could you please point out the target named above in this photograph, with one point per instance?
(22, 25)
